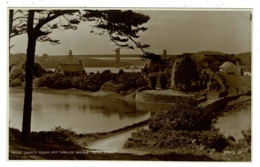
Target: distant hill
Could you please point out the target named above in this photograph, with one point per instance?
(52, 61)
(90, 61)
(245, 58)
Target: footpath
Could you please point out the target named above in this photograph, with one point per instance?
(115, 144)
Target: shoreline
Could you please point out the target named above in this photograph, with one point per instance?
(86, 139)
(100, 93)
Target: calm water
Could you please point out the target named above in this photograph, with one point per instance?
(112, 69)
(233, 122)
(81, 113)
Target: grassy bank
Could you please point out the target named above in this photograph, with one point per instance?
(63, 144)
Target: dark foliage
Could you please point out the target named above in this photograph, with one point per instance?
(183, 116)
(95, 81)
(132, 80)
(17, 74)
(121, 82)
(179, 139)
(163, 80)
(16, 77)
(124, 82)
(121, 26)
(184, 126)
(38, 70)
(151, 56)
(55, 81)
(153, 81)
(185, 73)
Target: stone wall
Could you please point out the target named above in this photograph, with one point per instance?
(149, 97)
(218, 104)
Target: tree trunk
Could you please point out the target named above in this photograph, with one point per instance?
(11, 15)
(27, 110)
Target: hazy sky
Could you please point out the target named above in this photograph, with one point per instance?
(177, 31)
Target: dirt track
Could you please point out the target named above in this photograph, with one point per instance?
(114, 143)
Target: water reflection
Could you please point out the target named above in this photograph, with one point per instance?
(233, 123)
(78, 112)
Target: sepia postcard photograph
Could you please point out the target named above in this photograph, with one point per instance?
(131, 84)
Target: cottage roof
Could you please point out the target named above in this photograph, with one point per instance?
(71, 67)
(225, 65)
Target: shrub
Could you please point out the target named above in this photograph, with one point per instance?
(16, 76)
(247, 136)
(56, 81)
(17, 73)
(130, 80)
(245, 142)
(58, 136)
(125, 82)
(183, 116)
(75, 81)
(119, 82)
(95, 81)
(38, 70)
(15, 82)
(121, 72)
(178, 139)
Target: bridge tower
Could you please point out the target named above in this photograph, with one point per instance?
(164, 55)
(70, 57)
(118, 64)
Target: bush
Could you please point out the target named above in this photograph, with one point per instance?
(183, 116)
(56, 81)
(121, 72)
(17, 72)
(174, 139)
(58, 136)
(38, 70)
(15, 82)
(247, 137)
(118, 82)
(75, 82)
(95, 81)
(125, 82)
(16, 76)
(130, 81)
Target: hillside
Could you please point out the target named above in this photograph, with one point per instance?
(215, 59)
(245, 58)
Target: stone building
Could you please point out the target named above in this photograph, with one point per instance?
(70, 69)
